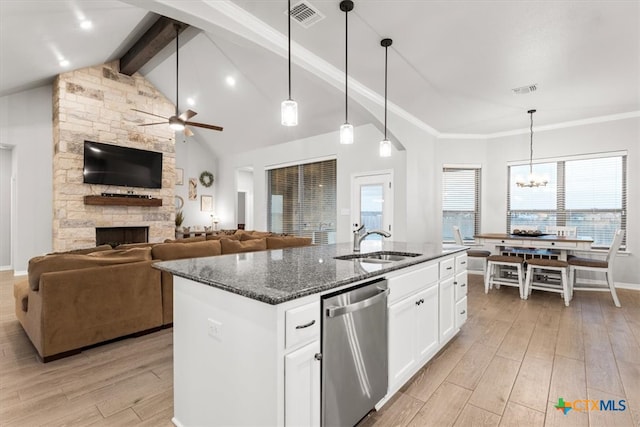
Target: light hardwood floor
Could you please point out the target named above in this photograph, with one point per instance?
(508, 366)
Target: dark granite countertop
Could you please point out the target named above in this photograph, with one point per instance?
(281, 275)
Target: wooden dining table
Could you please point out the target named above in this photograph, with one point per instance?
(544, 244)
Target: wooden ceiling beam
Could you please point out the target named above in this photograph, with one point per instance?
(161, 33)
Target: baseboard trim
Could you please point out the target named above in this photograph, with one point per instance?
(618, 285)
(20, 273)
(6, 267)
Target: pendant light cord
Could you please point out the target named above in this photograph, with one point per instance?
(386, 50)
(346, 66)
(531, 145)
(177, 65)
(289, 37)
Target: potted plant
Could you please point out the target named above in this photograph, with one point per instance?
(179, 219)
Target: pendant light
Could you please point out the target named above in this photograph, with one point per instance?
(532, 180)
(385, 144)
(289, 107)
(346, 130)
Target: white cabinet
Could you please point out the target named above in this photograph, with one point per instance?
(302, 386)
(447, 309)
(413, 323)
(461, 288)
(301, 368)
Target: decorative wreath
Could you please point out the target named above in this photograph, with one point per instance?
(206, 178)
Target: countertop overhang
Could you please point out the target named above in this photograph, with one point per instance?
(279, 275)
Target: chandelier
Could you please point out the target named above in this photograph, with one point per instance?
(533, 180)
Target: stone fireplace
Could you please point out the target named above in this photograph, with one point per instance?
(115, 236)
(95, 104)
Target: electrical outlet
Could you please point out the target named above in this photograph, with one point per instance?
(214, 328)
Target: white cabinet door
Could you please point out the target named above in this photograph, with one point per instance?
(427, 322)
(461, 285)
(302, 386)
(447, 305)
(402, 326)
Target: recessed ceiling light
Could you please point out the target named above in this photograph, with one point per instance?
(191, 101)
(231, 81)
(64, 63)
(86, 24)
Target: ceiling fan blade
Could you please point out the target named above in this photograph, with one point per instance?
(151, 114)
(187, 132)
(187, 115)
(151, 124)
(203, 125)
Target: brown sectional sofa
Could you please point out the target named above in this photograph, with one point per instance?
(76, 299)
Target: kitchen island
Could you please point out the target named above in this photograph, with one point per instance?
(247, 326)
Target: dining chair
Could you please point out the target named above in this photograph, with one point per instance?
(473, 253)
(601, 266)
(546, 265)
(493, 275)
(565, 231)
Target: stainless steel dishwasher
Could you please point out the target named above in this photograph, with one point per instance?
(354, 352)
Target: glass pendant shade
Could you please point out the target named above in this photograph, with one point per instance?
(385, 148)
(346, 134)
(289, 109)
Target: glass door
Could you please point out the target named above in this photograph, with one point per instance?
(372, 202)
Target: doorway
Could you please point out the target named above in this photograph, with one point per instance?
(6, 208)
(372, 201)
(244, 198)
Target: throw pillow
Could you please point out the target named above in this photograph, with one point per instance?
(234, 247)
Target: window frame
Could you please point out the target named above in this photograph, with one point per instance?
(561, 213)
(477, 212)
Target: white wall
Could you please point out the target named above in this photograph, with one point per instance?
(5, 208)
(195, 158)
(494, 155)
(25, 124)
(362, 156)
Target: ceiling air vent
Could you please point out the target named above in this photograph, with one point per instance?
(305, 14)
(522, 90)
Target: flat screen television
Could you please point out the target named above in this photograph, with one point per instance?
(115, 165)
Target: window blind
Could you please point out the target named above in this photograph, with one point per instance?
(460, 202)
(589, 194)
(302, 198)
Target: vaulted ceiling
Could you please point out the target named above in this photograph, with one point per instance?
(452, 66)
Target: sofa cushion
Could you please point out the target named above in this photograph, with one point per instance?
(247, 236)
(170, 251)
(62, 262)
(234, 246)
(287, 242)
(223, 236)
(135, 245)
(84, 251)
(187, 240)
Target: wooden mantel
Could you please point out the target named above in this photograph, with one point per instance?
(121, 201)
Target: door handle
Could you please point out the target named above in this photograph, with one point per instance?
(318, 356)
(345, 309)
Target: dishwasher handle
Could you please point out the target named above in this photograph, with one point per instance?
(344, 309)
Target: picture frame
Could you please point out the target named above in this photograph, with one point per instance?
(193, 188)
(179, 176)
(206, 203)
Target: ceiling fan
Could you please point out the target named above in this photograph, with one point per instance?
(179, 122)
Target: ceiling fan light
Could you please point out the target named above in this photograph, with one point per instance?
(346, 134)
(176, 124)
(385, 148)
(289, 110)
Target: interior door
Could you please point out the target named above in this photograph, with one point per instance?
(372, 201)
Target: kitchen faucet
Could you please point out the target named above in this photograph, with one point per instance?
(360, 233)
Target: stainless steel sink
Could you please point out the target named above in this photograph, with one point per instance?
(382, 257)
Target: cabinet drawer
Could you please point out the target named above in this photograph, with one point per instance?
(461, 263)
(461, 285)
(461, 312)
(410, 282)
(559, 245)
(447, 268)
(302, 324)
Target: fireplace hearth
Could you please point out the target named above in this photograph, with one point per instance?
(115, 236)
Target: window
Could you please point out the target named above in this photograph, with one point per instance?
(302, 198)
(460, 202)
(587, 192)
